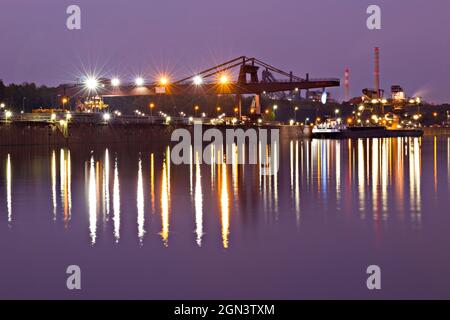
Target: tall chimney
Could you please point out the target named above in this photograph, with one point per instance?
(347, 85)
(377, 71)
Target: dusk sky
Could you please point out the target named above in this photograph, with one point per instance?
(321, 37)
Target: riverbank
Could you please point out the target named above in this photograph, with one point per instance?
(47, 133)
(40, 133)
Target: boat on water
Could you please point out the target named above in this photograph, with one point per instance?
(335, 129)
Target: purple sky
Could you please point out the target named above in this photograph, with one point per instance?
(321, 37)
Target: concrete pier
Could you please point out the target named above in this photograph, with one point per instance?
(41, 133)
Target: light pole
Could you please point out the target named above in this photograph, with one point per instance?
(418, 101)
(275, 107)
(295, 113)
(151, 106)
(64, 100)
(196, 108)
(23, 104)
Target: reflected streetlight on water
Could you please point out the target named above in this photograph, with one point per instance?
(140, 203)
(116, 201)
(92, 201)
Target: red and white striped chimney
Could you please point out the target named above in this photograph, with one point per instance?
(377, 71)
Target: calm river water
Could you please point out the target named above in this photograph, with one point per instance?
(141, 227)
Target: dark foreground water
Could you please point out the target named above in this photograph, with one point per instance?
(140, 227)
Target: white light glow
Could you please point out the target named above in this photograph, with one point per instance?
(224, 79)
(139, 81)
(198, 80)
(115, 82)
(91, 83)
(324, 97)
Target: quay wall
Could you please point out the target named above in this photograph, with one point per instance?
(41, 133)
(436, 131)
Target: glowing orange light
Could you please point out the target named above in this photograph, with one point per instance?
(223, 79)
(163, 80)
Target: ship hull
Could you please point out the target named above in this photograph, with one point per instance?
(368, 132)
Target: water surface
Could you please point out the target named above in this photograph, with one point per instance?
(141, 227)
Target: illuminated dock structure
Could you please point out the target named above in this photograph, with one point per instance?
(216, 80)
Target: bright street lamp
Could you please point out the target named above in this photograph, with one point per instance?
(198, 80)
(164, 81)
(115, 82)
(223, 79)
(151, 106)
(139, 81)
(91, 83)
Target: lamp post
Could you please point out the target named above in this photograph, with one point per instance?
(64, 101)
(196, 108)
(151, 106)
(23, 104)
(295, 113)
(418, 101)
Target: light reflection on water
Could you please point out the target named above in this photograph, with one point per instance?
(127, 212)
(165, 199)
(376, 173)
(116, 201)
(140, 203)
(9, 187)
(198, 202)
(92, 200)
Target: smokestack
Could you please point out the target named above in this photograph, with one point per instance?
(347, 85)
(377, 71)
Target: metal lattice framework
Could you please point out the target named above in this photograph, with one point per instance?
(215, 80)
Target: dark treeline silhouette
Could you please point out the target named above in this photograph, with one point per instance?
(27, 94)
